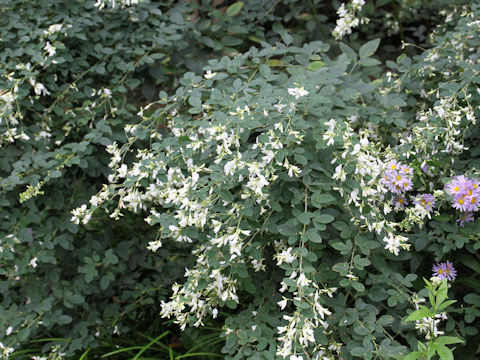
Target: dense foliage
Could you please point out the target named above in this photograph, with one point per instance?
(270, 168)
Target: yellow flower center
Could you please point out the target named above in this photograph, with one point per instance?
(460, 201)
(447, 271)
(400, 200)
(473, 201)
(457, 188)
(399, 177)
(440, 271)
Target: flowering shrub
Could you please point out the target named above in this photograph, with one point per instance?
(305, 185)
(284, 190)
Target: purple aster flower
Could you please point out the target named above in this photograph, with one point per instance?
(394, 165)
(458, 185)
(465, 191)
(465, 217)
(405, 169)
(398, 177)
(445, 271)
(472, 201)
(460, 203)
(425, 200)
(475, 184)
(399, 203)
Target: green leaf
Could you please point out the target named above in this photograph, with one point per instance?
(359, 351)
(314, 236)
(443, 218)
(231, 40)
(234, 9)
(348, 51)
(444, 352)
(445, 304)
(419, 314)
(377, 293)
(361, 261)
(341, 268)
(315, 65)
(55, 174)
(358, 286)
(385, 320)
(23, 334)
(470, 261)
(195, 101)
(304, 218)
(264, 70)
(360, 329)
(369, 48)
(323, 198)
(369, 62)
(324, 218)
(77, 299)
(286, 37)
(447, 340)
(472, 299)
(413, 355)
(133, 83)
(64, 319)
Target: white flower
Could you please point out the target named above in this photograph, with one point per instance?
(285, 256)
(40, 89)
(283, 303)
(297, 92)
(154, 245)
(33, 263)
(209, 74)
(80, 214)
(339, 174)
(95, 200)
(358, 2)
(322, 311)
(122, 171)
(302, 280)
(50, 49)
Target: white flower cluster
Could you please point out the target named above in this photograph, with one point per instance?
(428, 325)
(369, 167)
(299, 328)
(193, 300)
(348, 18)
(185, 192)
(5, 351)
(10, 118)
(395, 242)
(100, 4)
